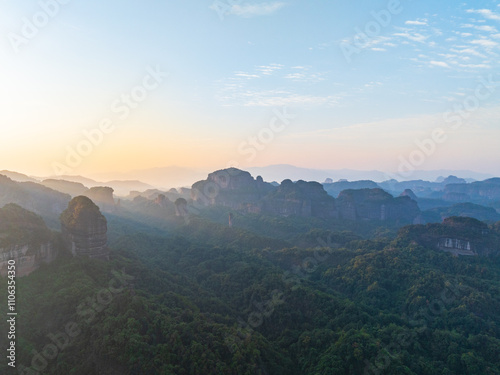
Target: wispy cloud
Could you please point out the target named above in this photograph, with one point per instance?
(486, 43)
(269, 69)
(415, 37)
(417, 22)
(441, 64)
(486, 13)
(252, 10)
(246, 75)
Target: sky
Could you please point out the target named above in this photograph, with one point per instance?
(90, 87)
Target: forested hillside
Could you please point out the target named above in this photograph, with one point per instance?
(218, 300)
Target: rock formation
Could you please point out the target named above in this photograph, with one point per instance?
(102, 196)
(301, 198)
(238, 190)
(230, 187)
(181, 207)
(409, 193)
(25, 239)
(84, 229)
(376, 204)
(476, 192)
(456, 235)
(335, 188)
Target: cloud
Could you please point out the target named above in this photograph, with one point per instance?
(252, 10)
(417, 23)
(486, 43)
(486, 13)
(246, 75)
(269, 69)
(441, 64)
(416, 37)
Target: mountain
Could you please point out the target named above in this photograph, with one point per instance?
(480, 191)
(161, 178)
(420, 188)
(280, 172)
(25, 239)
(301, 199)
(123, 188)
(335, 188)
(230, 187)
(84, 229)
(456, 235)
(79, 183)
(376, 204)
(88, 182)
(476, 211)
(18, 177)
(34, 197)
(66, 187)
(238, 190)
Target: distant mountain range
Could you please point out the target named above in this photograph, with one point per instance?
(280, 172)
(174, 177)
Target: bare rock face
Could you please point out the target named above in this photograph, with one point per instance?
(84, 229)
(25, 239)
(161, 200)
(181, 207)
(473, 192)
(456, 235)
(376, 204)
(230, 187)
(102, 196)
(301, 198)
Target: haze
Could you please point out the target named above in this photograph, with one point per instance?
(203, 86)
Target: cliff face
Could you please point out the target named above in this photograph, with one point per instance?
(238, 190)
(475, 192)
(456, 235)
(24, 238)
(300, 198)
(230, 187)
(84, 229)
(102, 196)
(335, 188)
(376, 204)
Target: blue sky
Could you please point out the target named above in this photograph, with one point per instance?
(232, 64)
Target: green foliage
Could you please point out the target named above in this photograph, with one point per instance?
(203, 298)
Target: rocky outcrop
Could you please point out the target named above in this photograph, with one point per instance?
(162, 201)
(456, 235)
(335, 188)
(102, 196)
(301, 199)
(238, 190)
(230, 187)
(376, 204)
(477, 192)
(25, 239)
(84, 229)
(409, 193)
(421, 188)
(181, 207)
